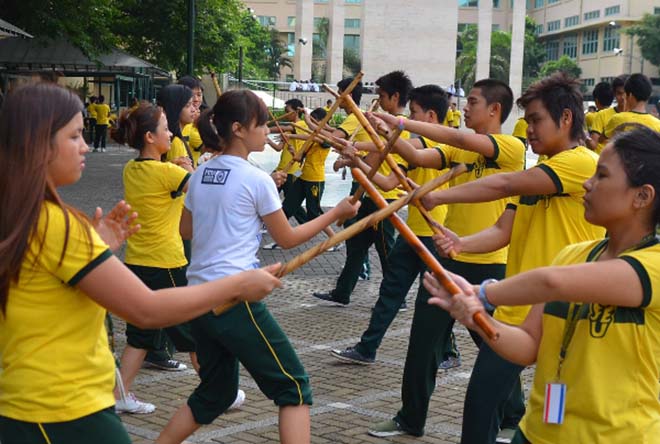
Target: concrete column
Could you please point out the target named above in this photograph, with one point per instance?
(517, 48)
(485, 26)
(304, 29)
(335, 53)
(389, 42)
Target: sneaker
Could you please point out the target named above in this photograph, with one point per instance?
(328, 297)
(170, 365)
(386, 428)
(272, 246)
(337, 247)
(353, 356)
(238, 402)
(131, 404)
(450, 362)
(403, 307)
(103, 150)
(505, 435)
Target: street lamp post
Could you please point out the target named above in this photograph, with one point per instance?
(620, 51)
(240, 67)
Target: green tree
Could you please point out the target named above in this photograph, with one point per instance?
(320, 38)
(277, 55)
(534, 54)
(352, 62)
(500, 55)
(648, 37)
(565, 64)
(88, 24)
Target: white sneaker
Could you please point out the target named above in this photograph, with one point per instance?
(131, 404)
(238, 402)
(272, 246)
(103, 150)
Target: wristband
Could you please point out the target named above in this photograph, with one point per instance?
(402, 124)
(482, 295)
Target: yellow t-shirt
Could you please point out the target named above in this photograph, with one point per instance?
(177, 149)
(545, 224)
(313, 169)
(91, 111)
(421, 176)
(194, 142)
(470, 218)
(600, 123)
(611, 367)
(153, 188)
(449, 118)
(625, 117)
(589, 120)
(102, 114)
(520, 130)
(350, 124)
(285, 158)
(54, 354)
(456, 120)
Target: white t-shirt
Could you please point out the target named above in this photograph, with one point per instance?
(227, 198)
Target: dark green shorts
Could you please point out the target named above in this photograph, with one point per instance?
(102, 427)
(248, 334)
(181, 336)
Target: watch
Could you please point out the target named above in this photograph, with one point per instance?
(482, 295)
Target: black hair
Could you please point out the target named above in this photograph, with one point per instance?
(295, 104)
(133, 125)
(558, 92)
(396, 82)
(173, 98)
(639, 86)
(191, 82)
(242, 106)
(101, 98)
(431, 97)
(356, 94)
(619, 81)
(604, 93)
(318, 114)
(639, 151)
(328, 102)
(496, 91)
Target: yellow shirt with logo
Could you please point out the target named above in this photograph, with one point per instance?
(195, 143)
(55, 360)
(631, 117)
(313, 169)
(456, 119)
(470, 218)
(611, 367)
(520, 130)
(102, 114)
(153, 188)
(544, 225)
(421, 176)
(91, 111)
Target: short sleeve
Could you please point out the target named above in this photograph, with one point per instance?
(267, 199)
(175, 178)
(611, 125)
(509, 150)
(646, 263)
(570, 169)
(446, 153)
(80, 257)
(349, 125)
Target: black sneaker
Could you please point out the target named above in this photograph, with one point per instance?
(170, 365)
(353, 356)
(328, 297)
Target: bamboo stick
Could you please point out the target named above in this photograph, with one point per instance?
(287, 116)
(421, 250)
(359, 226)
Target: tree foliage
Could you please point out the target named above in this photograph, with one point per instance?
(352, 62)
(500, 54)
(564, 63)
(534, 54)
(648, 37)
(277, 55)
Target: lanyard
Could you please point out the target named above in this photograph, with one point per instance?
(577, 310)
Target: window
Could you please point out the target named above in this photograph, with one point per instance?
(291, 21)
(612, 10)
(267, 20)
(611, 39)
(320, 1)
(468, 3)
(607, 79)
(552, 2)
(590, 42)
(317, 22)
(570, 46)
(352, 42)
(352, 23)
(290, 44)
(538, 3)
(462, 27)
(588, 82)
(552, 49)
(352, 1)
(554, 25)
(539, 29)
(496, 3)
(591, 15)
(318, 49)
(571, 21)
(495, 27)
(656, 11)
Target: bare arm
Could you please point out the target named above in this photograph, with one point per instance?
(186, 224)
(531, 182)
(116, 288)
(288, 237)
(491, 239)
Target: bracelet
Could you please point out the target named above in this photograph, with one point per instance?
(482, 295)
(402, 123)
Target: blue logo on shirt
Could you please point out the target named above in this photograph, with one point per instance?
(215, 176)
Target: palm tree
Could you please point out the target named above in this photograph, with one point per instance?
(276, 53)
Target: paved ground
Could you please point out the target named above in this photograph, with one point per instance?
(347, 399)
